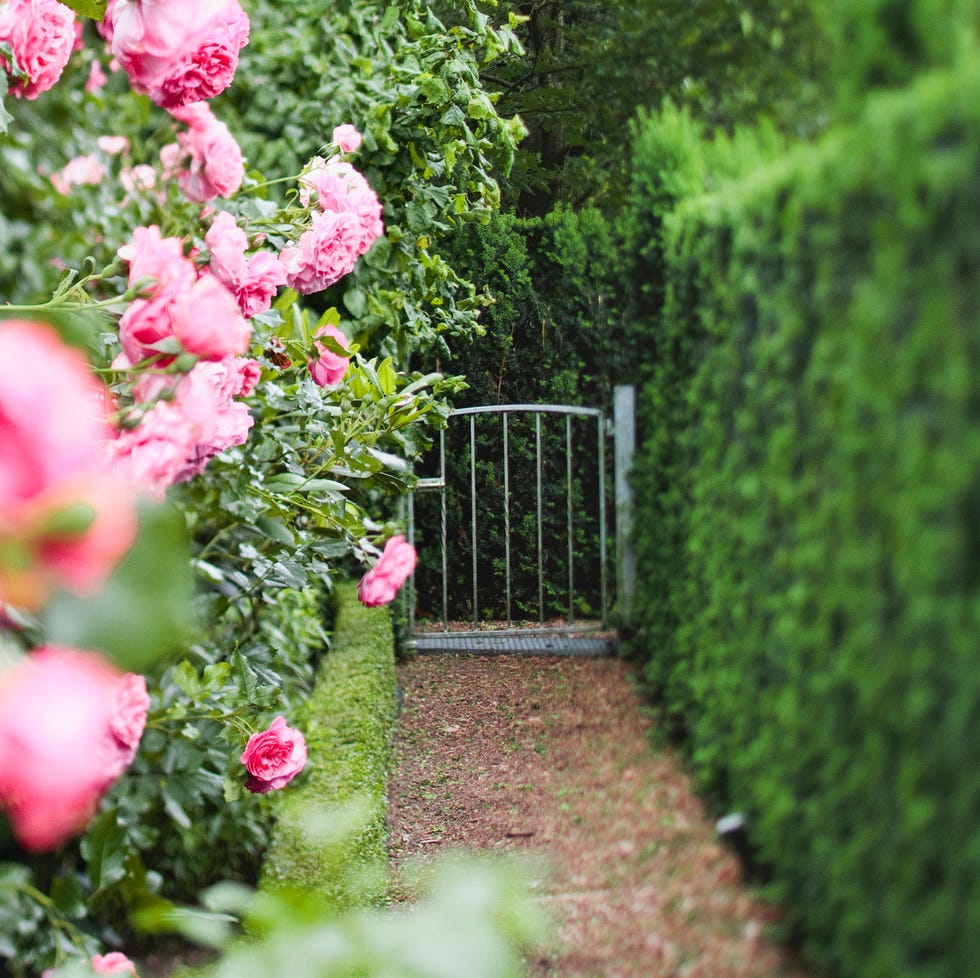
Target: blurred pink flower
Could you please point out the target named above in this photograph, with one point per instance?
(64, 519)
(113, 145)
(208, 322)
(41, 35)
(126, 723)
(87, 169)
(209, 162)
(273, 757)
(329, 368)
(346, 138)
(254, 280)
(177, 51)
(394, 567)
(96, 77)
(56, 710)
(113, 963)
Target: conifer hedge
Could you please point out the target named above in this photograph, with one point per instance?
(809, 493)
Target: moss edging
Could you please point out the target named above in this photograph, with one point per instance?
(331, 831)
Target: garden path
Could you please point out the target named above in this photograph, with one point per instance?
(552, 757)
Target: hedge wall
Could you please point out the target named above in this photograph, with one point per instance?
(809, 522)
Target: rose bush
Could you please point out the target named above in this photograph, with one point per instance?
(264, 478)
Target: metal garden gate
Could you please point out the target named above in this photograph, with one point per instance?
(529, 536)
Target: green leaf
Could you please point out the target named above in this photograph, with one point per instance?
(104, 849)
(387, 377)
(94, 9)
(5, 117)
(185, 676)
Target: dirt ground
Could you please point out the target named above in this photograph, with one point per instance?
(552, 757)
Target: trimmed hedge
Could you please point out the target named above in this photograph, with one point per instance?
(810, 527)
(349, 723)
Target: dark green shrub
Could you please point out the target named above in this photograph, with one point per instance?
(811, 534)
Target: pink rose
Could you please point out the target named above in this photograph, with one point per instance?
(346, 138)
(254, 280)
(380, 584)
(113, 963)
(207, 321)
(148, 321)
(273, 757)
(131, 706)
(329, 368)
(324, 254)
(177, 438)
(152, 455)
(339, 188)
(178, 51)
(41, 35)
(215, 167)
(207, 398)
(64, 519)
(56, 708)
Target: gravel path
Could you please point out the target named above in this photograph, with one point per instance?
(551, 757)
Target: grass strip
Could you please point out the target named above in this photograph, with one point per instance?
(331, 833)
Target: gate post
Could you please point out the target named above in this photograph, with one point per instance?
(624, 432)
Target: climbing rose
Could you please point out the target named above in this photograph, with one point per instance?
(324, 254)
(329, 368)
(41, 35)
(345, 222)
(340, 189)
(273, 757)
(209, 161)
(380, 584)
(147, 322)
(254, 280)
(208, 322)
(200, 313)
(57, 708)
(176, 438)
(346, 138)
(64, 520)
(177, 51)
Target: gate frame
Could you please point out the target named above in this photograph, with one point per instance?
(438, 484)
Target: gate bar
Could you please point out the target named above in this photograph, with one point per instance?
(507, 518)
(443, 532)
(602, 517)
(568, 513)
(473, 511)
(540, 467)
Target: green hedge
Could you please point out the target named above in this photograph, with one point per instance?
(809, 522)
(330, 836)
